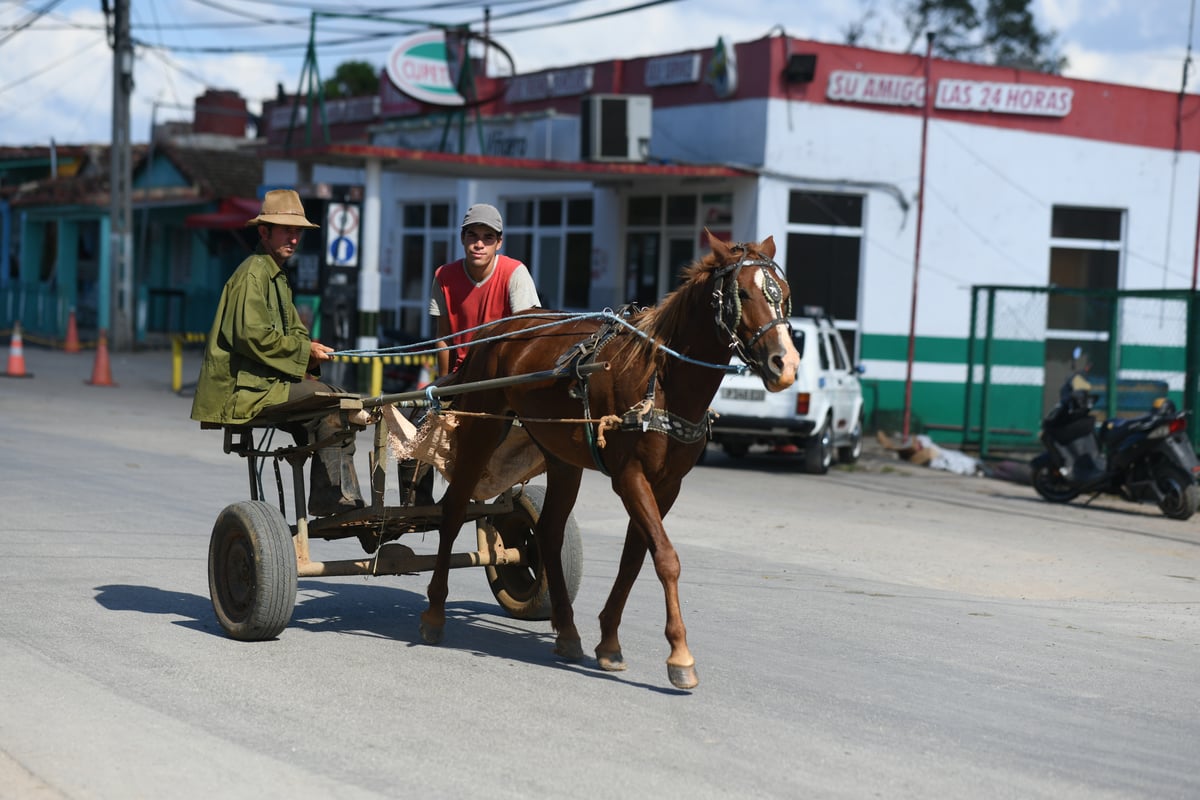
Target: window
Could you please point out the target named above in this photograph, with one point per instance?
(553, 237)
(1085, 253)
(822, 208)
(426, 240)
(664, 235)
(824, 255)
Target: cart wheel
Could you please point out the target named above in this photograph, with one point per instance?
(523, 590)
(252, 571)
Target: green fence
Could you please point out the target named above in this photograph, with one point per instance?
(40, 310)
(1137, 346)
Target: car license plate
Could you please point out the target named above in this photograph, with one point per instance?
(734, 393)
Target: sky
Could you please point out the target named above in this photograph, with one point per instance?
(56, 64)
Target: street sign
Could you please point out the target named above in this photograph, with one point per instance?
(341, 234)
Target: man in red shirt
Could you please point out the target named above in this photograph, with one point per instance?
(481, 287)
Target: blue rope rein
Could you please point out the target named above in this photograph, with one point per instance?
(429, 346)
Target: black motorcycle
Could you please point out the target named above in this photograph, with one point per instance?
(1148, 459)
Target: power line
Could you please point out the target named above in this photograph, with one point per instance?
(49, 67)
(29, 20)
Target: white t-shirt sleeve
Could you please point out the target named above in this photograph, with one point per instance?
(522, 293)
(437, 301)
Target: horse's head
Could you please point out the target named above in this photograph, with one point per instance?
(752, 302)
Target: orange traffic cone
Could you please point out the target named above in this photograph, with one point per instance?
(16, 355)
(72, 343)
(101, 373)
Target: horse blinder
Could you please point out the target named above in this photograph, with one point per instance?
(728, 304)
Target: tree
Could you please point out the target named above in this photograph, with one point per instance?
(951, 21)
(1001, 32)
(352, 79)
(1013, 40)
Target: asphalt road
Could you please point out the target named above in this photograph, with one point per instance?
(888, 631)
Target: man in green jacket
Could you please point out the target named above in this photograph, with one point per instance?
(259, 354)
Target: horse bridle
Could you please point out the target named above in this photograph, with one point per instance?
(728, 305)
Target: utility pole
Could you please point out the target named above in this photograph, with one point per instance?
(912, 314)
(121, 213)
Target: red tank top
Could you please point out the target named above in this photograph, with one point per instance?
(469, 305)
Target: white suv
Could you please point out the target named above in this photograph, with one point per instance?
(820, 413)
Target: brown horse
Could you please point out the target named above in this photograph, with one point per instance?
(734, 299)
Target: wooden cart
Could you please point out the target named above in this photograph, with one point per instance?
(256, 556)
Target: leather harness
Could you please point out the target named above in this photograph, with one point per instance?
(645, 416)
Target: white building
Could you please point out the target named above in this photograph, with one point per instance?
(607, 174)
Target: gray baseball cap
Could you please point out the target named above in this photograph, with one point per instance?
(484, 214)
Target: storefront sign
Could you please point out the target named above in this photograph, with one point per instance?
(868, 87)
(418, 67)
(541, 85)
(673, 70)
(568, 82)
(952, 95)
(1004, 98)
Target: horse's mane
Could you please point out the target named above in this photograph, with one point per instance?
(639, 357)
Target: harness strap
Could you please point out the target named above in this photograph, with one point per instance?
(582, 353)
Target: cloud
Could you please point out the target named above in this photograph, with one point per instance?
(54, 81)
(1150, 68)
(57, 82)
(668, 28)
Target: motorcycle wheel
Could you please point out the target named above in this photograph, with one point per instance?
(1050, 484)
(1180, 495)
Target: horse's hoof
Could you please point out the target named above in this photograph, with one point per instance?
(683, 677)
(611, 662)
(432, 634)
(570, 649)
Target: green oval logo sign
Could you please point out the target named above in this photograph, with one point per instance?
(418, 67)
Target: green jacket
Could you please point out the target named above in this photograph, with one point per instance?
(256, 347)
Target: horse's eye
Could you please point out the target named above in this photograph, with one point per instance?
(743, 294)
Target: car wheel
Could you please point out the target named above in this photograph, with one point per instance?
(818, 451)
(850, 453)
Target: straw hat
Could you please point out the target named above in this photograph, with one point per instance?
(282, 207)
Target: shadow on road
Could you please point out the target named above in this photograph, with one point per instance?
(384, 612)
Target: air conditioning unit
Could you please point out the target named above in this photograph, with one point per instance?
(615, 127)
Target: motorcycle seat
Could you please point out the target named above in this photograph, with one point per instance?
(1115, 430)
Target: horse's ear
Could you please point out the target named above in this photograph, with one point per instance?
(767, 248)
(719, 248)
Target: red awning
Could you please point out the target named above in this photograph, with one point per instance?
(233, 212)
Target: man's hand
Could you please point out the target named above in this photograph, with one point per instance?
(317, 353)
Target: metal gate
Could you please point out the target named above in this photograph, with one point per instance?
(1136, 346)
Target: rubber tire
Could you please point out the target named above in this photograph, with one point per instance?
(849, 454)
(524, 591)
(1182, 504)
(818, 451)
(252, 571)
(1048, 484)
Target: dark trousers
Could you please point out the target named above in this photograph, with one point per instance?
(333, 481)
